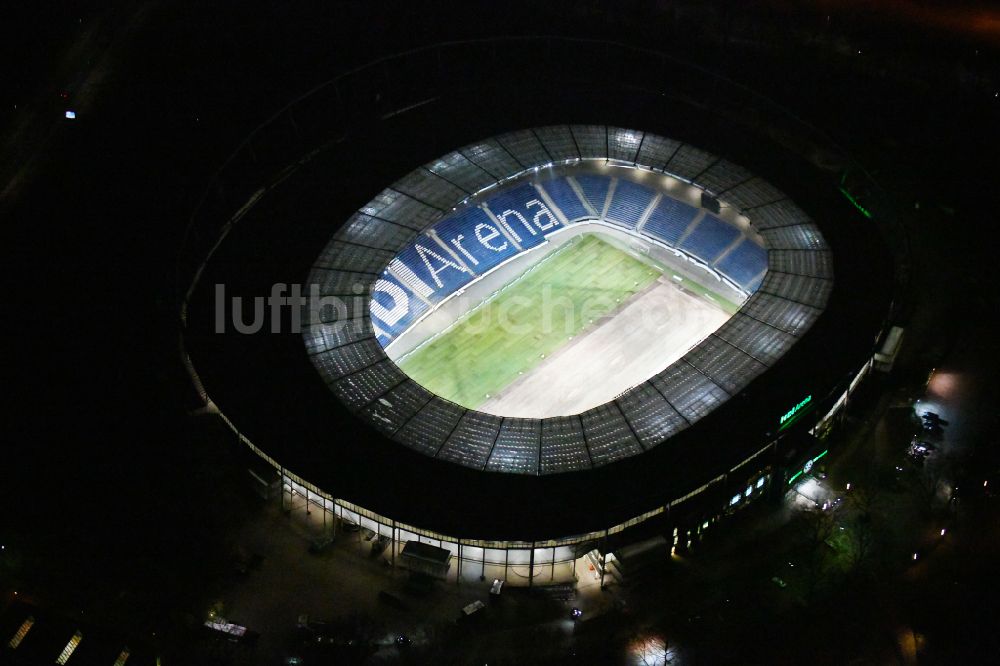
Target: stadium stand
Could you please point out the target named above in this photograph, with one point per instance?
(431, 268)
(474, 240)
(669, 220)
(754, 284)
(595, 191)
(628, 202)
(709, 238)
(394, 307)
(744, 264)
(461, 233)
(565, 198)
(518, 210)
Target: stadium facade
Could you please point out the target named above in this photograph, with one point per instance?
(730, 421)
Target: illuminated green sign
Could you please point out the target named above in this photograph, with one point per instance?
(807, 467)
(864, 211)
(790, 414)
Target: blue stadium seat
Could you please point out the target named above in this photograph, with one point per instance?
(518, 209)
(595, 189)
(566, 199)
(709, 238)
(628, 202)
(669, 220)
(394, 308)
(432, 269)
(745, 264)
(426, 269)
(476, 238)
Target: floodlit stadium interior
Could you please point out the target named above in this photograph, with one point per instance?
(564, 316)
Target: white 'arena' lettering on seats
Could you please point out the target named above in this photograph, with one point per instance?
(445, 263)
(544, 211)
(484, 240)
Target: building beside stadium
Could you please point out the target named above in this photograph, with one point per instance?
(744, 299)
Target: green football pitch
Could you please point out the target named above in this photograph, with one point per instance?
(526, 321)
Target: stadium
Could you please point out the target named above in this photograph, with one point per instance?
(548, 315)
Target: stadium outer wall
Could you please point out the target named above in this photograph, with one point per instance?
(268, 177)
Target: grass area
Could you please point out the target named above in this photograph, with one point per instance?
(529, 319)
(724, 303)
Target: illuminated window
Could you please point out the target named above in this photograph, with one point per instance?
(21, 633)
(760, 482)
(68, 650)
(735, 500)
(748, 491)
(120, 661)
